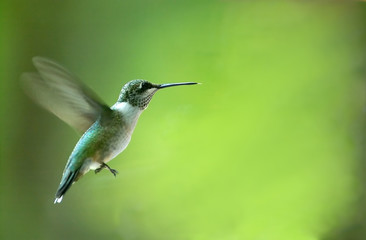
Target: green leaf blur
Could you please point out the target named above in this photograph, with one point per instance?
(269, 147)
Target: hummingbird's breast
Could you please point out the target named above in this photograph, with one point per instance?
(121, 128)
(105, 139)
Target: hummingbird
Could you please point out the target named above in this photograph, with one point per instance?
(106, 131)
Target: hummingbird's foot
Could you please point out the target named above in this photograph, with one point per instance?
(113, 171)
(103, 165)
(98, 170)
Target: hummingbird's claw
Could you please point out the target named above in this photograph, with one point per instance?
(98, 170)
(103, 165)
(114, 172)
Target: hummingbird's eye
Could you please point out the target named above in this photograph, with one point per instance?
(143, 85)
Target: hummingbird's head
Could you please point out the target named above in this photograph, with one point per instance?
(139, 92)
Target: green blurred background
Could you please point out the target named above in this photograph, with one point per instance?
(269, 147)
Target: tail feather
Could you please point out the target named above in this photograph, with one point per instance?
(67, 180)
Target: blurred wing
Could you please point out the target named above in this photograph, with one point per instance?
(59, 91)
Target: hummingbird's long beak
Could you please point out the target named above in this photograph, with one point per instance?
(175, 84)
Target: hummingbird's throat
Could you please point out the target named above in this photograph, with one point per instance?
(143, 101)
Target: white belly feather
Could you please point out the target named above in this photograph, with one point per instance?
(119, 143)
(130, 116)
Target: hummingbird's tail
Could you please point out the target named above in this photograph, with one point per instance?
(67, 180)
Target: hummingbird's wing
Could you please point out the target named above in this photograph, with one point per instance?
(60, 92)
